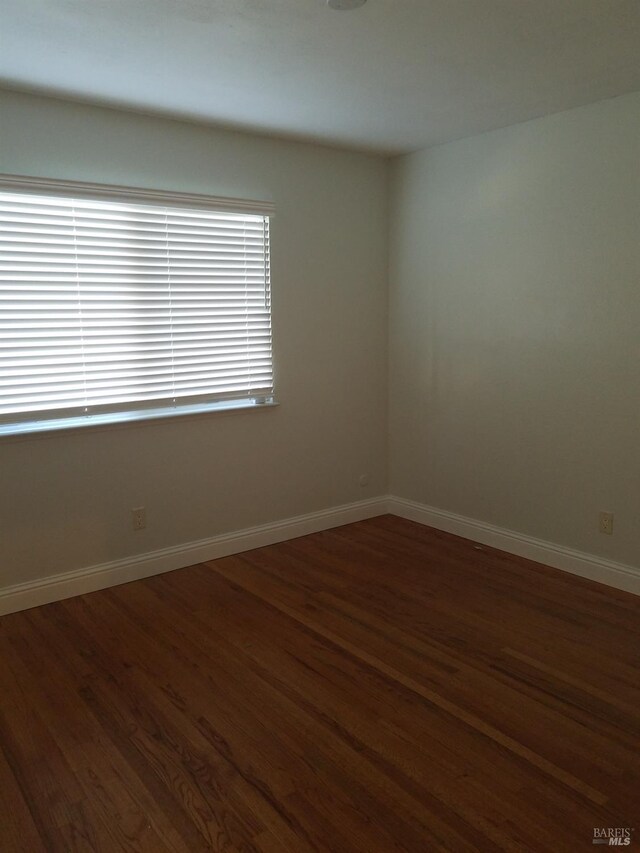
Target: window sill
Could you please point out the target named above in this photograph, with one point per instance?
(34, 429)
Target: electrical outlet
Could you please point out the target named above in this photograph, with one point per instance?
(139, 518)
(605, 524)
(364, 480)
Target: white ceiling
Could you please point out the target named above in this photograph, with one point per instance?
(393, 76)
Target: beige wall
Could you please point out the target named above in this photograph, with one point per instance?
(65, 499)
(515, 327)
(514, 367)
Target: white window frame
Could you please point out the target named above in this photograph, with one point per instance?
(28, 424)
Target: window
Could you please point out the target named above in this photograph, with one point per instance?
(118, 304)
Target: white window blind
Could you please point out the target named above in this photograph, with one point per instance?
(120, 303)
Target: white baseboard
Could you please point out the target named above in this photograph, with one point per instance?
(57, 587)
(613, 574)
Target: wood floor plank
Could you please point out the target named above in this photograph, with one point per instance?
(113, 789)
(377, 687)
(342, 712)
(455, 710)
(221, 655)
(17, 825)
(51, 790)
(149, 741)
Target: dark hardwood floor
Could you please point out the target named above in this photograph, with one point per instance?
(377, 687)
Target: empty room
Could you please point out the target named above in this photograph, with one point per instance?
(319, 425)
